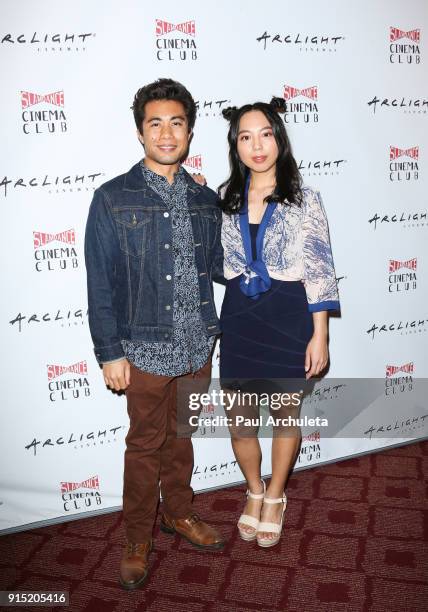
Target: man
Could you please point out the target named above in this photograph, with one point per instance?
(152, 247)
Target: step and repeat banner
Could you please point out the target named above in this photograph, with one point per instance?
(357, 105)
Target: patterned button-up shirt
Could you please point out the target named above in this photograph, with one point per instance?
(190, 346)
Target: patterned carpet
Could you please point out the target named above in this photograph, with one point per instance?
(355, 540)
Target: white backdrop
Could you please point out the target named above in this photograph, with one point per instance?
(352, 74)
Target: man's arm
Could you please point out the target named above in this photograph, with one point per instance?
(101, 254)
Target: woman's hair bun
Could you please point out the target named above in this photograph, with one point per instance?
(228, 112)
(278, 104)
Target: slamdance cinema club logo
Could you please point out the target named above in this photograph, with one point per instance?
(68, 382)
(301, 104)
(175, 41)
(404, 46)
(403, 164)
(310, 449)
(402, 275)
(193, 163)
(399, 379)
(48, 118)
(62, 256)
(83, 495)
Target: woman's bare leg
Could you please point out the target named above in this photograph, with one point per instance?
(246, 448)
(285, 447)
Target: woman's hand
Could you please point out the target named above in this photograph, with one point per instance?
(199, 178)
(316, 357)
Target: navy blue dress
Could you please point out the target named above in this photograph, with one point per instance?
(265, 339)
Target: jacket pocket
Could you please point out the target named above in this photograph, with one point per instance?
(210, 225)
(134, 231)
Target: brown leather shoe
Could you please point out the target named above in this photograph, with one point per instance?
(194, 530)
(134, 567)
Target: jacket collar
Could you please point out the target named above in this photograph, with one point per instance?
(134, 181)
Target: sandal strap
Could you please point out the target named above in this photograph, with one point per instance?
(277, 500)
(248, 520)
(257, 495)
(270, 527)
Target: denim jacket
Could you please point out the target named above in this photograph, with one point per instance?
(129, 262)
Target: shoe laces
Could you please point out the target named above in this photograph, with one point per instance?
(193, 519)
(133, 548)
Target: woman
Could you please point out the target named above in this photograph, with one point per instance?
(280, 285)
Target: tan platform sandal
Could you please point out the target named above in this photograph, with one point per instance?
(272, 527)
(249, 520)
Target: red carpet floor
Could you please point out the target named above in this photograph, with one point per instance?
(355, 539)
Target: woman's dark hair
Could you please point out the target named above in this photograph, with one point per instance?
(288, 179)
(163, 89)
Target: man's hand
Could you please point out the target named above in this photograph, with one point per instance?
(117, 375)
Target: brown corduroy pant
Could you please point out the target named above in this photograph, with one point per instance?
(154, 454)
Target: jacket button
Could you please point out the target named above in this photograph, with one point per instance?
(166, 335)
(168, 277)
(166, 215)
(167, 307)
(166, 245)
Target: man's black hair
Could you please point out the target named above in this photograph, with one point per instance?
(164, 89)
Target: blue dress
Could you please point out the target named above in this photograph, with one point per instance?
(265, 339)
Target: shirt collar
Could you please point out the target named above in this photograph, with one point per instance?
(151, 176)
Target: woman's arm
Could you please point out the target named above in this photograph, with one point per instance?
(319, 274)
(316, 357)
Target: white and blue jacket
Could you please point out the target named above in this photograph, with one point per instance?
(296, 247)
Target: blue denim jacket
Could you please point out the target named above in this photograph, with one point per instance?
(129, 262)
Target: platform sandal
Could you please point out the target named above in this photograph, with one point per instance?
(248, 520)
(275, 528)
